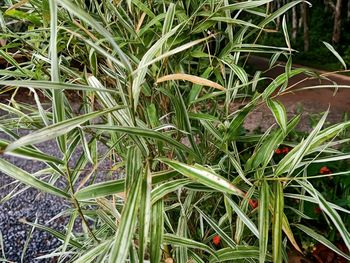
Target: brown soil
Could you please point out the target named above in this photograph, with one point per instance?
(309, 102)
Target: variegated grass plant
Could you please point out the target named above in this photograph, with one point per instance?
(156, 82)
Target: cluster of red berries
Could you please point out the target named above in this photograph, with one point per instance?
(325, 170)
(283, 150)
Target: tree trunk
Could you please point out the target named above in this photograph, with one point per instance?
(300, 19)
(348, 11)
(337, 22)
(305, 16)
(294, 24)
(278, 18)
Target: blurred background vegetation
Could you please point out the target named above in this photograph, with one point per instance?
(309, 26)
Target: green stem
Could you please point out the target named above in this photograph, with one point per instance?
(76, 203)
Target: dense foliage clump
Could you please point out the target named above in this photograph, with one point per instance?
(161, 90)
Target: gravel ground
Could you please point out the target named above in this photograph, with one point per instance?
(30, 205)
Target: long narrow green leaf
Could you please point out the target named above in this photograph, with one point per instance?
(239, 169)
(294, 157)
(280, 80)
(237, 121)
(15, 111)
(58, 95)
(240, 225)
(69, 230)
(185, 120)
(280, 11)
(29, 153)
(328, 133)
(169, 19)
(315, 201)
(12, 61)
(240, 72)
(41, 84)
(264, 153)
(55, 233)
(133, 166)
(245, 5)
(171, 53)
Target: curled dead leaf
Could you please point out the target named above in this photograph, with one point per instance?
(191, 78)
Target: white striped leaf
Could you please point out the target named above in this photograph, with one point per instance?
(28, 179)
(329, 211)
(294, 157)
(142, 69)
(204, 176)
(277, 224)
(100, 190)
(186, 242)
(125, 233)
(236, 254)
(245, 219)
(264, 221)
(228, 240)
(55, 130)
(157, 231)
(161, 190)
(319, 238)
(279, 112)
(335, 53)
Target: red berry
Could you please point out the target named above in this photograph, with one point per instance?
(253, 203)
(278, 151)
(285, 150)
(317, 210)
(216, 240)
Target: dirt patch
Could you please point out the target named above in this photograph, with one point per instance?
(308, 102)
